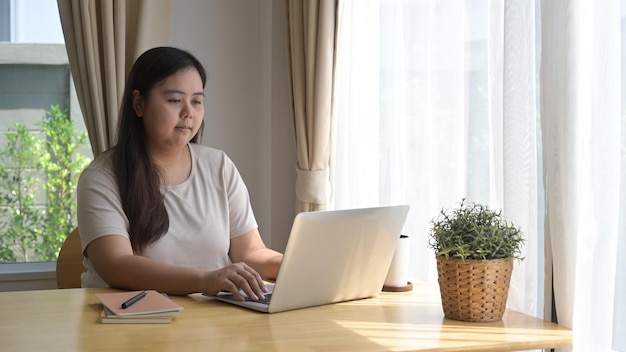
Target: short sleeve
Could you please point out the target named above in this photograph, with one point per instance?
(241, 216)
(99, 210)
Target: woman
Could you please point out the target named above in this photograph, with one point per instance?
(159, 211)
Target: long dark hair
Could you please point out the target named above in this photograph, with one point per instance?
(138, 179)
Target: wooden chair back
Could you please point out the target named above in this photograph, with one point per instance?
(70, 262)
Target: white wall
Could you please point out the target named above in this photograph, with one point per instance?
(241, 43)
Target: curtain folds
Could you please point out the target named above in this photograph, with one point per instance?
(581, 120)
(103, 38)
(311, 28)
(517, 166)
(436, 102)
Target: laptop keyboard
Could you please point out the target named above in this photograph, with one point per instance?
(266, 300)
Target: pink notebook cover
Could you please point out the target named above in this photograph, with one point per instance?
(153, 303)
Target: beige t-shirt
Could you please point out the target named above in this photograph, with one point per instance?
(205, 211)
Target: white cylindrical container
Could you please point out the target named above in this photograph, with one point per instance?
(398, 273)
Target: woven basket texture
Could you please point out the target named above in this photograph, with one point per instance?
(474, 290)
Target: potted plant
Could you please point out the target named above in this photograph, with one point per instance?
(475, 248)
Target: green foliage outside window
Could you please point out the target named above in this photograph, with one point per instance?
(38, 176)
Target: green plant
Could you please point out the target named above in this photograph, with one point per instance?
(38, 179)
(62, 165)
(20, 177)
(473, 231)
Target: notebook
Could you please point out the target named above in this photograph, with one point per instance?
(333, 256)
(108, 317)
(154, 303)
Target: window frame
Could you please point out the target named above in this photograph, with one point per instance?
(35, 275)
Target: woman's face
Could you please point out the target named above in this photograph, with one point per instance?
(173, 111)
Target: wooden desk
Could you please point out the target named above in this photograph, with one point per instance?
(67, 320)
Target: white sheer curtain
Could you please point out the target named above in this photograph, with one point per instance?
(436, 101)
(582, 116)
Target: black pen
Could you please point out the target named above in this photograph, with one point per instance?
(134, 300)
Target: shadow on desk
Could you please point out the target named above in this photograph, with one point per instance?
(67, 320)
(395, 321)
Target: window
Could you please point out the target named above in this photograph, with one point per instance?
(43, 144)
(419, 118)
(438, 100)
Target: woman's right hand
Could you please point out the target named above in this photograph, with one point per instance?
(235, 278)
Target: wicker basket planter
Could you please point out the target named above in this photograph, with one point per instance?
(475, 249)
(474, 290)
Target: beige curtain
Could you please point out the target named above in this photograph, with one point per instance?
(103, 38)
(311, 28)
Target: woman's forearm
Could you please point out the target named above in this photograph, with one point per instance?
(133, 272)
(266, 262)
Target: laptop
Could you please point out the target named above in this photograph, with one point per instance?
(332, 256)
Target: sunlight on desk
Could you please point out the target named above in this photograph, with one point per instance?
(400, 337)
(406, 322)
(67, 320)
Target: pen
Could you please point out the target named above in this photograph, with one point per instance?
(134, 300)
